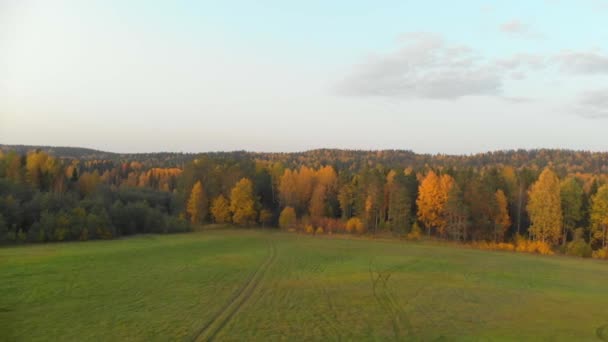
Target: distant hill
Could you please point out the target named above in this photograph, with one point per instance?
(574, 161)
(61, 151)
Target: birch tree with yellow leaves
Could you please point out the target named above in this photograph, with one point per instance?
(544, 208)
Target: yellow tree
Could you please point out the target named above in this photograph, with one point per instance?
(220, 209)
(433, 194)
(304, 185)
(502, 221)
(327, 177)
(317, 202)
(34, 167)
(242, 203)
(599, 215)
(197, 204)
(88, 182)
(287, 219)
(544, 207)
(288, 189)
(428, 201)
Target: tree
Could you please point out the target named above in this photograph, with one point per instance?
(287, 219)
(318, 202)
(544, 207)
(34, 167)
(346, 199)
(432, 197)
(88, 182)
(599, 215)
(571, 193)
(502, 221)
(197, 204)
(304, 186)
(399, 202)
(288, 189)
(220, 209)
(456, 214)
(242, 203)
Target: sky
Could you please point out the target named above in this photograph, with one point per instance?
(454, 77)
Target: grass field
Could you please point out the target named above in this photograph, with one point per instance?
(260, 285)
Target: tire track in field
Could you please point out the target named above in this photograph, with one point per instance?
(221, 319)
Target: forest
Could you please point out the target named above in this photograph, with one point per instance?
(544, 201)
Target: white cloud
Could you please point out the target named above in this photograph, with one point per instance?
(517, 28)
(593, 104)
(582, 62)
(424, 67)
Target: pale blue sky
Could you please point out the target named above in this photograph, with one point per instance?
(431, 76)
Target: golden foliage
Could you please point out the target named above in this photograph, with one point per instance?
(88, 182)
(600, 254)
(317, 202)
(599, 215)
(242, 203)
(544, 207)
(355, 225)
(287, 218)
(540, 247)
(502, 221)
(309, 229)
(220, 209)
(433, 195)
(414, 234)
(197, 204)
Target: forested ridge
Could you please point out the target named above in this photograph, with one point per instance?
(532, 200)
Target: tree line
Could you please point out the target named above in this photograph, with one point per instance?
(558, 198)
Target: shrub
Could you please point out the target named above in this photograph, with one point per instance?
(540, 247)
(309, 229)
(579, 248)
(287, 218)
(355, 225)
(415, 233)
(600, 254)
(320, 230)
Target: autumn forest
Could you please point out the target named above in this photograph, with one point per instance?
(544, 201)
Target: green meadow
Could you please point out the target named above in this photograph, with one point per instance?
(266, 286)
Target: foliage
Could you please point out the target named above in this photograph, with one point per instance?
(309, 229)
(220, 210)
(502, 221)
(242, 203)
(415, 233)
(197, 204)
(536, 246)
(600, 253)
(599, 216)
(287, 219)
(544, 207)
(579, 248)
(52, 194)
(355, 225)
(433, 196)
(571, 193)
